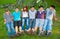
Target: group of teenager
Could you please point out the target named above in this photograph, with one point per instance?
(30, 20)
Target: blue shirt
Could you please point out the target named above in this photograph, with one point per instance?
(17, 15)
(32, 14)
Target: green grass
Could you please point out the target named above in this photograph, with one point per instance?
(56, 25)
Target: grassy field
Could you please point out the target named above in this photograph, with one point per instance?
(56, 24)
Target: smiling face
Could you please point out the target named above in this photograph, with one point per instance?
(16, 9)
(51, 8)
(25, 9)
(32, 9)
(7, 12)
(41, 9)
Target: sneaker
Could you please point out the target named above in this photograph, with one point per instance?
(44, 33)
(41, 34)
(49, 34)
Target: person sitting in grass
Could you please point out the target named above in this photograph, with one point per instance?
(9, 23)
(40, 20)
(32, 13)
(50, 14)
(17, 21)
(25, 19)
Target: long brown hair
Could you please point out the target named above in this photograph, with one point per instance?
(26, 8)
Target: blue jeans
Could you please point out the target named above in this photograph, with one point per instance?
(25, 21)
(47, 25)
(10, 28)
(32, 23)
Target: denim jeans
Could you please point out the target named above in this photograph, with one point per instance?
(47, 25)
(10, 28)
(32, 23)
(25, 21)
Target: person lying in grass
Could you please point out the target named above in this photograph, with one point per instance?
(9, 23)
(25, 19)
(50, 14)
(17, 21)
(40, 20)
(32, 13)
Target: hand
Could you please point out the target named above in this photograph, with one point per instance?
(56, 19)
(4, 22)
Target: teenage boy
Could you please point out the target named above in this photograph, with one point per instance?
(9, 23)
(17, 20)
(50, 14)
(32, 13)
(40, 20)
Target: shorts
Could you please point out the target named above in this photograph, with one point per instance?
(39, 22)
(17, 23)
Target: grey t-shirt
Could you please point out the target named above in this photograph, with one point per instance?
(8, 18)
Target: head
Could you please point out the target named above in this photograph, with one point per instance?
(7, 11)
(32, 8)
(25, 8)
(52, 7)
(17, 9)
(41, 8)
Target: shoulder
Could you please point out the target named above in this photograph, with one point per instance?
(35, 10)
(10, 13)
(29, 10)
(19, 12)
(44, 11)
(47, 9)
(14, 12)
(54, 10)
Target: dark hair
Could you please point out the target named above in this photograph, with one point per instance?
(6, 10)
(16, 8)
(41, 6)
(52, 6)
(32, 6)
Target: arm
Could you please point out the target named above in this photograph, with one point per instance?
(21, 15)
(12, 17)
(54, 16)
(36, 14)
(4, 21)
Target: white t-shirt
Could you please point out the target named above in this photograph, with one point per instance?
(32, 14)
(50, 14)
(24, 14)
